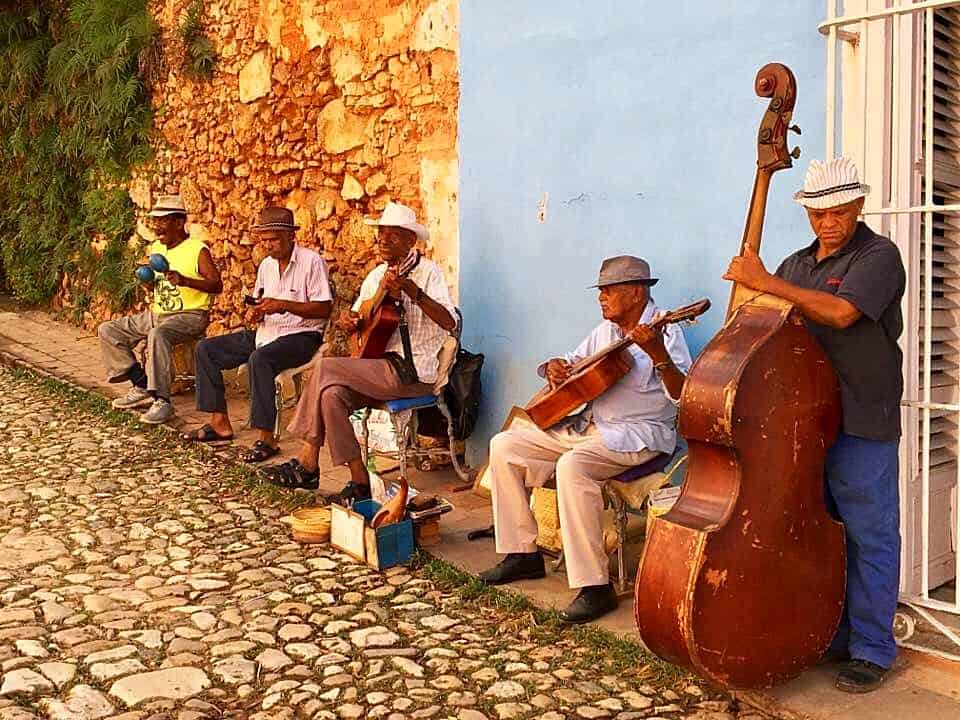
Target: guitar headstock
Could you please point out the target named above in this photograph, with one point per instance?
(687, 313)
(776, 82)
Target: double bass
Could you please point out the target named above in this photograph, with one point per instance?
(743, 579)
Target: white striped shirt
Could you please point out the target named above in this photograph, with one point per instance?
(305, 280)
(426, 337)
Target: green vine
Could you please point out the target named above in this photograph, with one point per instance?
(199, 57)
(75, 119)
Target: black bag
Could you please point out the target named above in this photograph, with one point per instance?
(462, 395)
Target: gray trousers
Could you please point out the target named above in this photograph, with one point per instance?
(119, 337)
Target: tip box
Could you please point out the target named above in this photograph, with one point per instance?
(379, 548)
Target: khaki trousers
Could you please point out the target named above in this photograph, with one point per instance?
(524, 456)
(336, 388)
(119, 337)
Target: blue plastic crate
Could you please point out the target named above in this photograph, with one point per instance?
(394, 542)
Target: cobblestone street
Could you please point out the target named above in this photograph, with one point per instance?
(138, 582)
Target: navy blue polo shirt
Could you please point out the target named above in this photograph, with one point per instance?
(867, 272)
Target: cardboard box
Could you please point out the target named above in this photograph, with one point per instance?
(379, 548)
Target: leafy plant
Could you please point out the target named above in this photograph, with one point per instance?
(199, 56)
(75, 119)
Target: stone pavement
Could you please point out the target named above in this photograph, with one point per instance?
(136, 583)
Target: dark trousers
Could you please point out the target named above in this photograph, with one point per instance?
(264, 364)
(862, 490)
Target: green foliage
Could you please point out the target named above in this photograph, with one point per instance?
(199, 57)
(74, 120)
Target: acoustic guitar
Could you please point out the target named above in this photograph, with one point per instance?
(594, 375)
(374, 332)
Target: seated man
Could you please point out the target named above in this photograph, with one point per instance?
(293, 301)
(178, 313)
(626, 426)
(338, 386)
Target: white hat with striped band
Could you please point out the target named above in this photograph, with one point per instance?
(831, 183)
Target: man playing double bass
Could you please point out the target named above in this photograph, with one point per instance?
(848, 284)
(626, 426)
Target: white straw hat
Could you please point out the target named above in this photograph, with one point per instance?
(397, 215)
(831, 183)
(168, 205)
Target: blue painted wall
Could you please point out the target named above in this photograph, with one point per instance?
(638, 118)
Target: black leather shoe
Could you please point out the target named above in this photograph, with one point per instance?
(834, 656)
(515, 566)
(592, 602)
(352, 492)
(860, 676)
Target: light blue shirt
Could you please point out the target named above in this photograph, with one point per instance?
(637, 412)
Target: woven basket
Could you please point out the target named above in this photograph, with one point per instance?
(311, 524)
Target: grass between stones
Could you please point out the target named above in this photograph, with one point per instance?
(616, 655)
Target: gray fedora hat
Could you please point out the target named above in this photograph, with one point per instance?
(276, 218)
(624, 268)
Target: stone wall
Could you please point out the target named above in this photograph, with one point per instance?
(329, 108)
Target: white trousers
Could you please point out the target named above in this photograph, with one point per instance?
(524, 456)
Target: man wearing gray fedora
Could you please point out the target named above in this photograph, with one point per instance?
(627, 425)
(292, 301)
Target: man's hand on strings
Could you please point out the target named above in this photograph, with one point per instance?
(748, 270)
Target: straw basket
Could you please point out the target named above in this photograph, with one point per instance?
(311, 524)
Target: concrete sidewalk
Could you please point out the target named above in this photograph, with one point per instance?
(920, 686)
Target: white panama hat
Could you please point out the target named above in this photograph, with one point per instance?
(397, 215)
(168, 205)
(831, 183)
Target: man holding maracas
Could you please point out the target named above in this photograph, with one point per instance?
(184, 278)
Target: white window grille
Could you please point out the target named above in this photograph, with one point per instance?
(893, 105)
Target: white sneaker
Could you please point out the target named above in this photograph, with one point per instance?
(161, 411)
(137, 397)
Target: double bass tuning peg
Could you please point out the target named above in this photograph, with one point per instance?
(795, 153)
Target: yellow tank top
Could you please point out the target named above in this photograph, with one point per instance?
(185, 259)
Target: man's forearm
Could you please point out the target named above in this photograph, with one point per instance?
(309, 310)
(820, 307)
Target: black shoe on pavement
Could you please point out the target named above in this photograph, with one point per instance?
(592, 602)
(515, 566)
(860, 676)
(352, 492)
(834, 656)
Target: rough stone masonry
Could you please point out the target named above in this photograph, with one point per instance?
(327, 107)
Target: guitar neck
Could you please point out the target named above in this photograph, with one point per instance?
(618, 345)
(752, 234)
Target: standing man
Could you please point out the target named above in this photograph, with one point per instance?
(178, 313)
(338, 386)
(848, 284)
(629, 424)
(293, 302)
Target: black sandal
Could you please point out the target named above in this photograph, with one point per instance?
(292, 475)
(260, 452)
(204, 434)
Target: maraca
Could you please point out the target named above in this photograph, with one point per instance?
(159, 263)
(145, 274)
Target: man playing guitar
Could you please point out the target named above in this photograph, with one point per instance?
(339, 386)
(627, 425)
